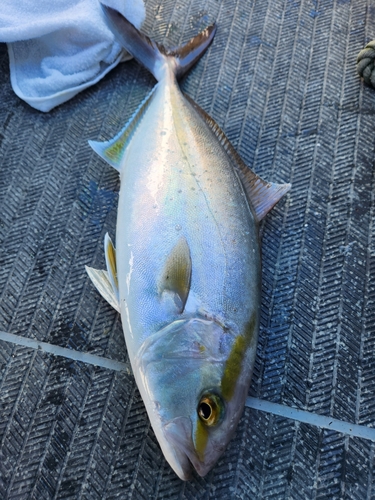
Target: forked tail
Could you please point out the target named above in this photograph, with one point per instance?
(152, 55)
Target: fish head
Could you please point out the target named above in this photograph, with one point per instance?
(193, 403)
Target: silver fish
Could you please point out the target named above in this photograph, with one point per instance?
(186, 275)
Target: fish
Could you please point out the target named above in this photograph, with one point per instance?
(186, 271)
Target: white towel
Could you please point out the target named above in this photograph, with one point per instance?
(59, 47)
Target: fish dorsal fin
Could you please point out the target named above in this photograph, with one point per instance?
(110, 260)
(112, 151)
(176, 274)
(262, 195)
(102, 283)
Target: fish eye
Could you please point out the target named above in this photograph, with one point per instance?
(210, 409)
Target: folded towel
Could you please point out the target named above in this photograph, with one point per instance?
(58, 48)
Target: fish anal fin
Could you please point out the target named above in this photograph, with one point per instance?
(176, 275)
(263, 195)
(101, 282)
(112, 151)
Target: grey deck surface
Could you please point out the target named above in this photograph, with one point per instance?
(280, 80)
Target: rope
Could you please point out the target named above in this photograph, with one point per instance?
(366, 64)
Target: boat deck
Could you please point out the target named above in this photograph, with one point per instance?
(280, 79)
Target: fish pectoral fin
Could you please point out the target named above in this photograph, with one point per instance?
(103, 285)
(176, 275)
(112, 151)
(263, 195)
(110, 260)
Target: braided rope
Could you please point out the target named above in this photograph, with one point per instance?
(366, 63)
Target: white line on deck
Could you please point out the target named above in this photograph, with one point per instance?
(306, 417)
(85, 357)
(322, 421)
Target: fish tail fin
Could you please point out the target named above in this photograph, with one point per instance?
(153, 56)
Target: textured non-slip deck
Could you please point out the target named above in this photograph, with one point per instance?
(280, 79)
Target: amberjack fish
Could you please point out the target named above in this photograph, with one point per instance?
(186, 275)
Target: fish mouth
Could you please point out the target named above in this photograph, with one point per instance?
(179, 434)
(176, 454)
(181, 464)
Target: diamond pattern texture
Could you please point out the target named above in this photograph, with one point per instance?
(280, 80)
